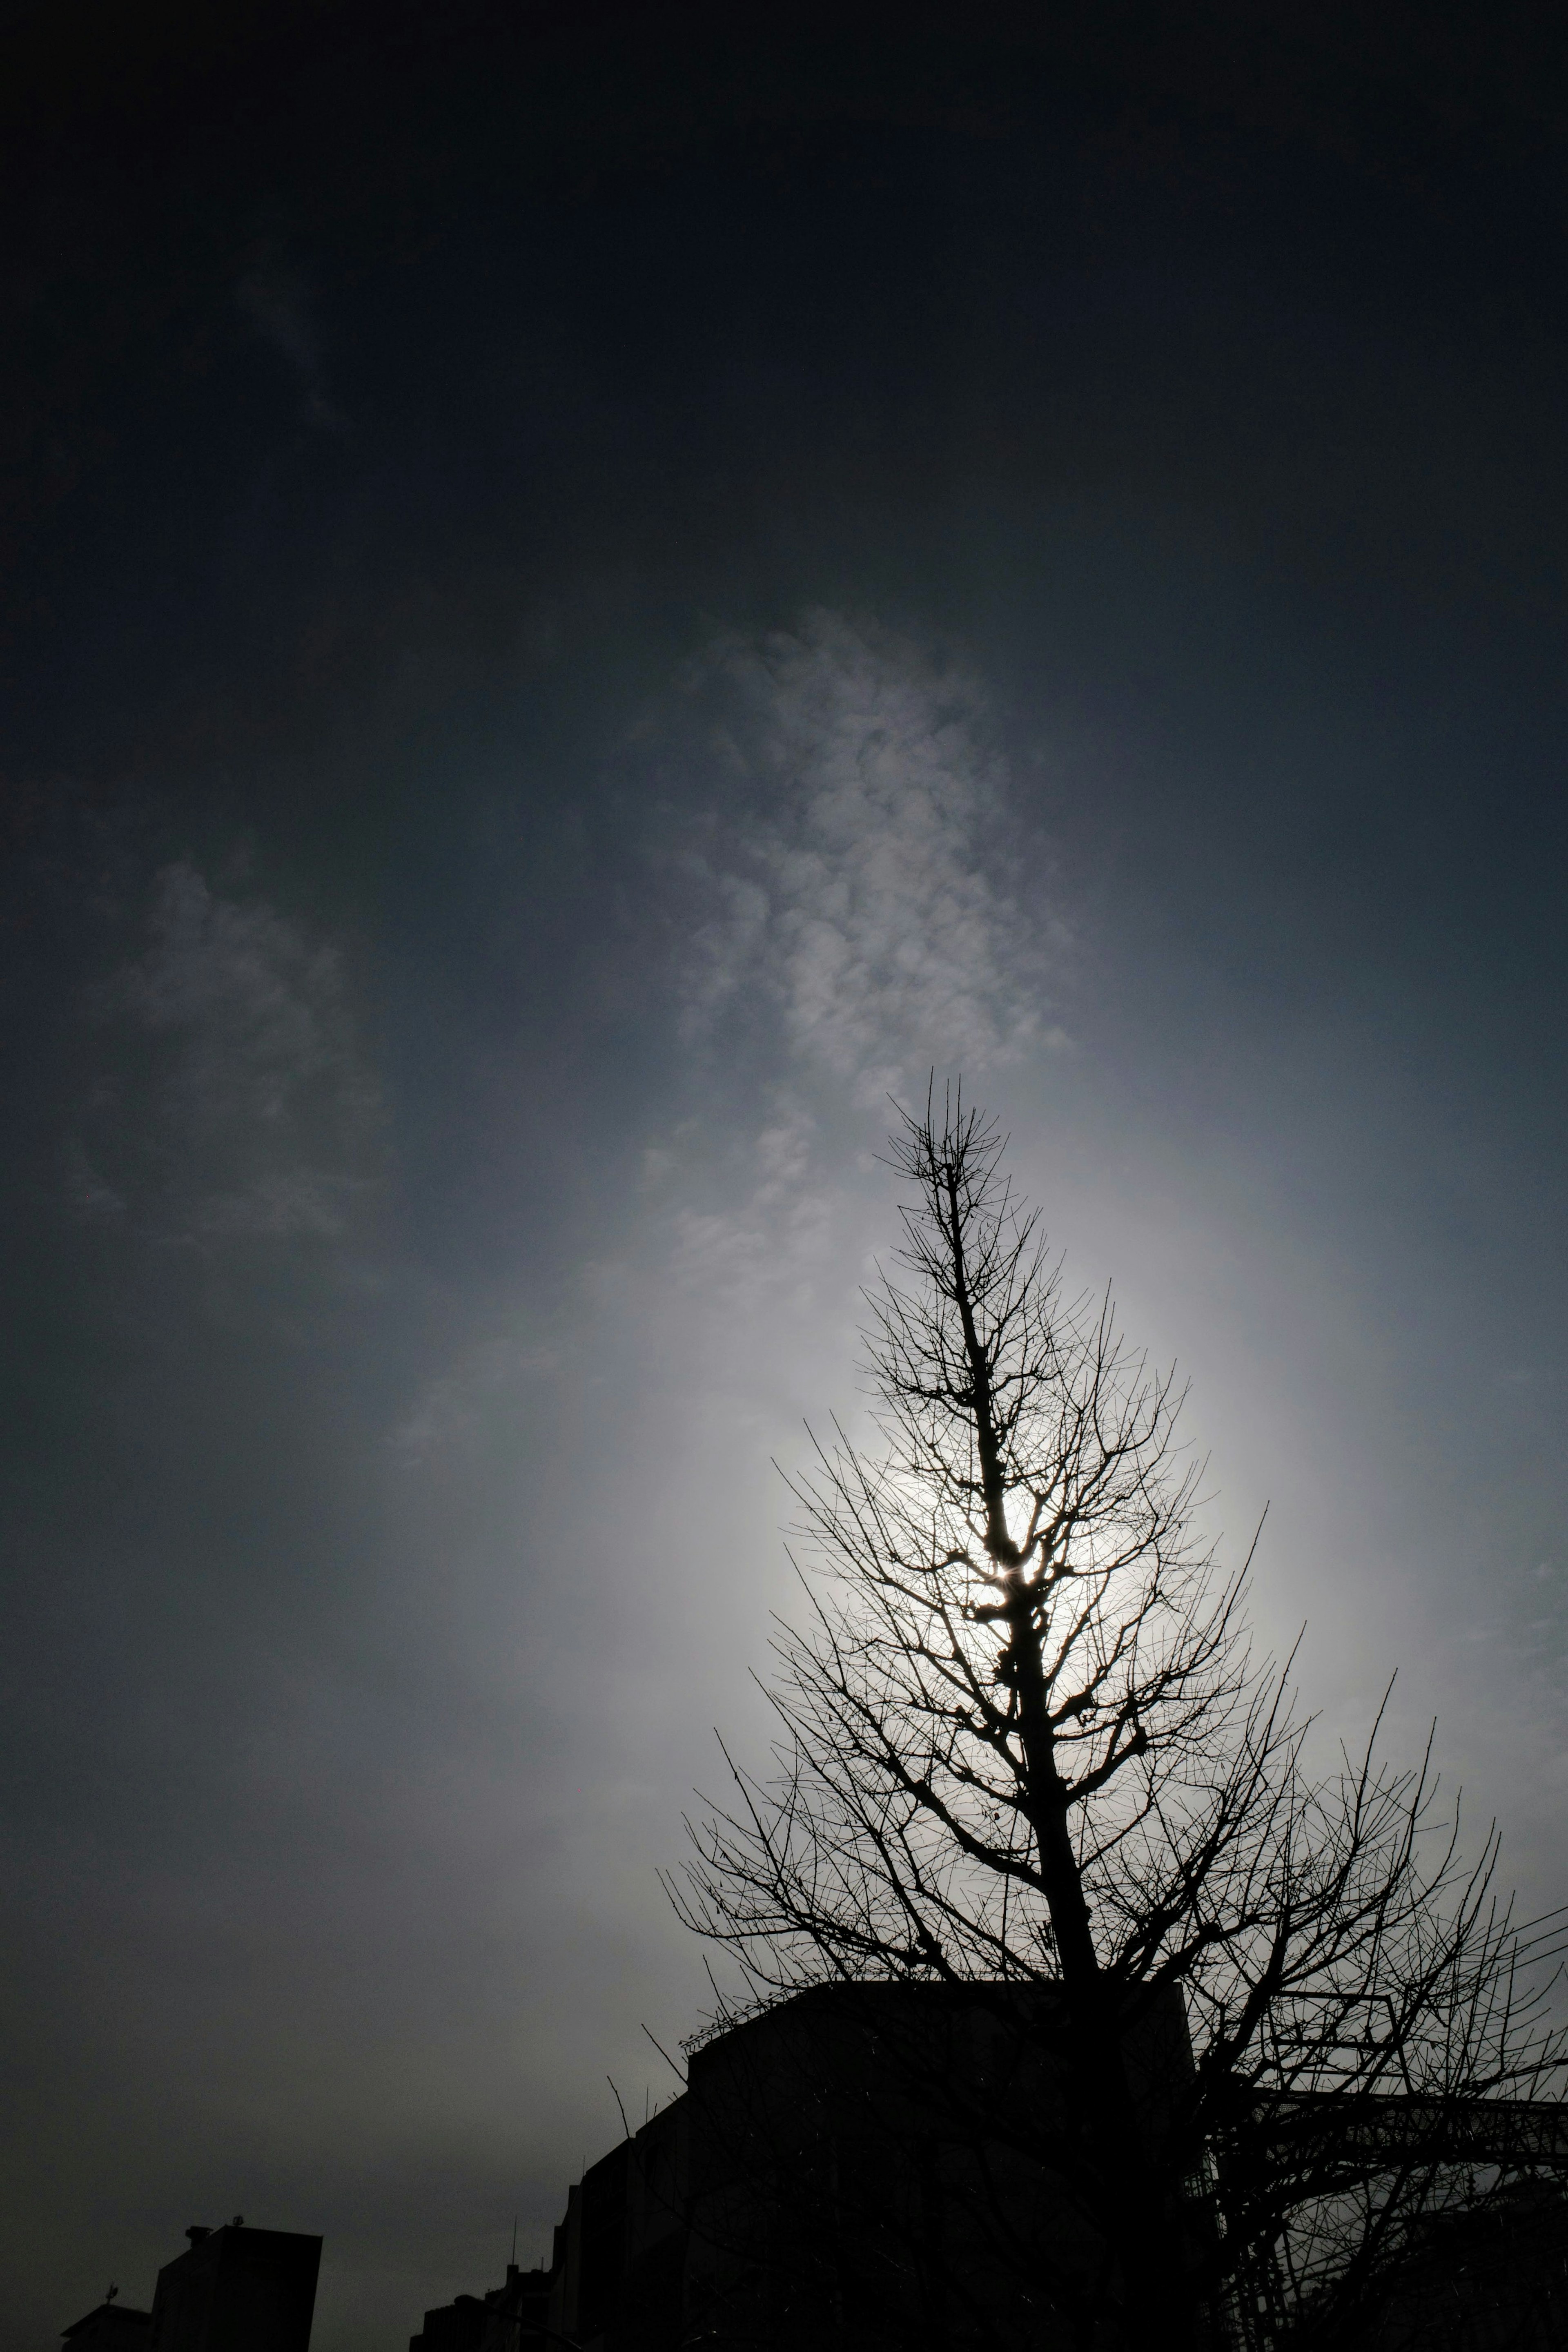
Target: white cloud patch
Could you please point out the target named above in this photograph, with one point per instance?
(861, 892)
(236, 1102)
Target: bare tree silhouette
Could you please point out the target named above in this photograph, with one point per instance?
(1027, 1754)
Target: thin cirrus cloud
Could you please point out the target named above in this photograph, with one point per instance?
(232, 1101)
(858, 918)
(462, 1402)
(859, 893)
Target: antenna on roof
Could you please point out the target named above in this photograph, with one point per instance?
(514, 2242)
(111, 2293)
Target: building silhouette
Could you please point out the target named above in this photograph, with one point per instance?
(111, 2327)
(232, 2290)
(868, 2166)
(511, 2314)
(851, 2165)
(1495, 2280)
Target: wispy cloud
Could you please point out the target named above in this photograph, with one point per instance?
(859, 890)
(776, 1236)
(465, 1400)
(868, 905)
(234, 1100)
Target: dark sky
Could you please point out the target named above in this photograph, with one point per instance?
(587, 593)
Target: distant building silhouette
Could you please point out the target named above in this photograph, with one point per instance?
(232, 2290)
(511, 2314)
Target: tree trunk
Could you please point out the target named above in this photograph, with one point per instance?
(1135, 2204)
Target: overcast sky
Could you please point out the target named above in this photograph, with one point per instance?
(589, 598)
